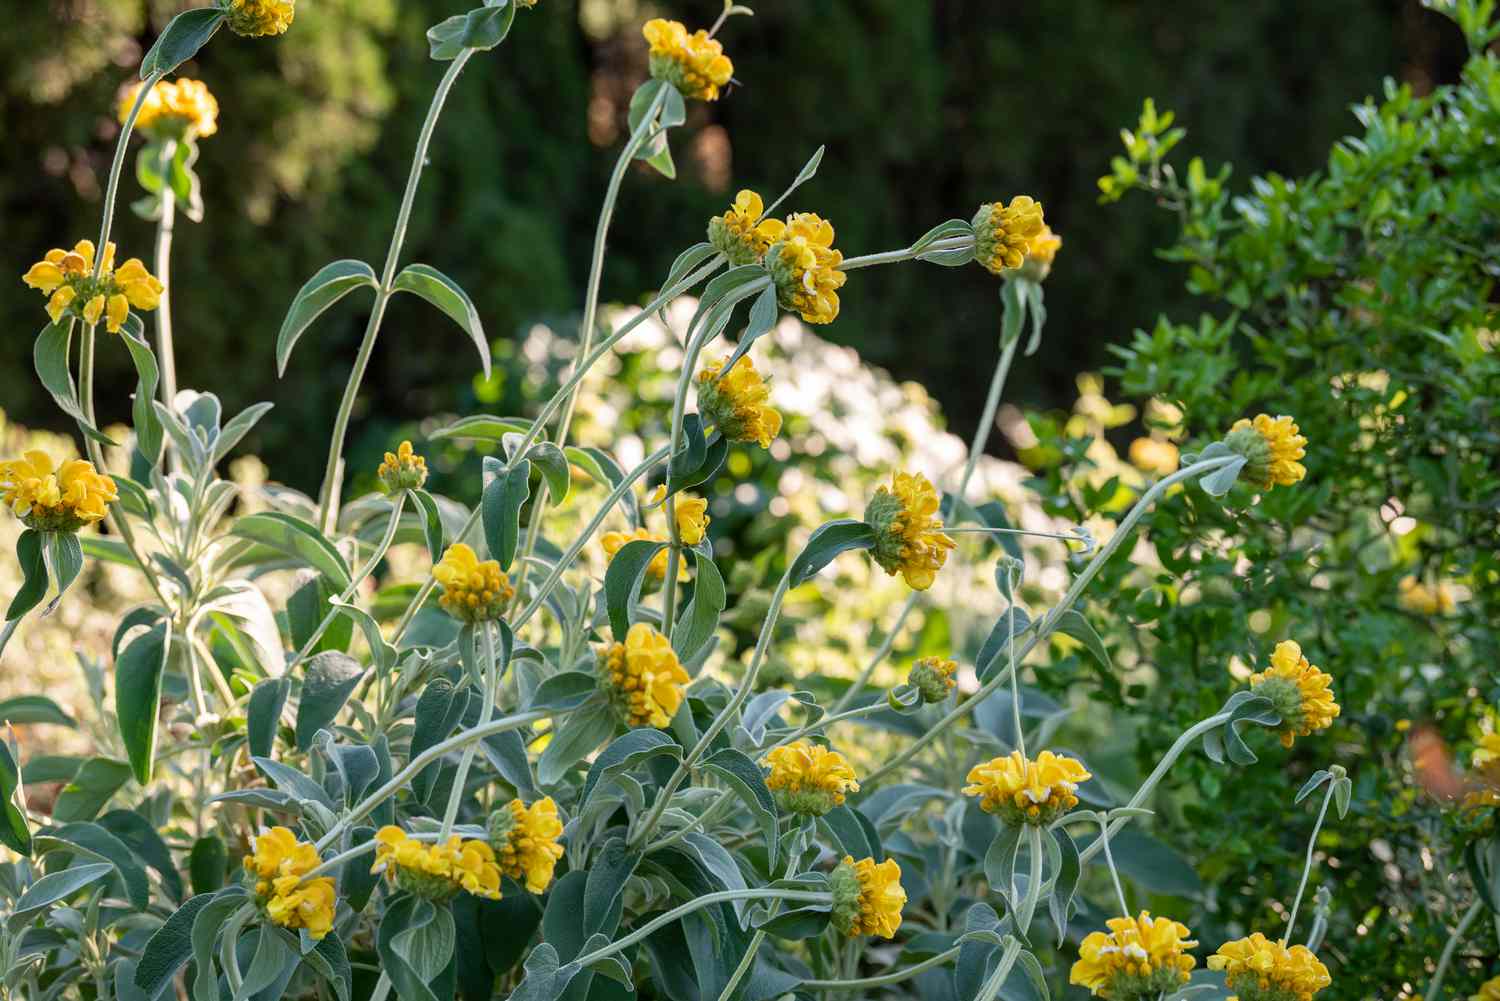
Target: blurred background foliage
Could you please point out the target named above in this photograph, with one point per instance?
(927, 109)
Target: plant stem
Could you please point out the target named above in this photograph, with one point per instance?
(905, 254)
(697, 904)
(166, 356)
(1312, 844)
(1436, 983)
(333, 472)
(112, 188)
(492, 680)
(1050, 620)
(885, 979)
(992, 987)
(400, 780)
(1114, 873)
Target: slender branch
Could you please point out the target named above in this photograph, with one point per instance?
(992, 987)
(885, 979)
(333, 472)
(166, 355)
(112, 188)
(1436, 983)
(1114, 873)
(1312, 844)
(491, 682)
(906, 254)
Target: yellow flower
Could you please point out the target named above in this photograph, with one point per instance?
(1424, 600)
(737, 404)
(1020, 790)
(436, 871)
(253, 18)
(693, 63)
(644, 677)
(908, 532)
(741, 234)
(692, 518)
(402, 469)
(805, 267)
(1484, 771)
(1262, 970)
(1044, 246)
(1488, 991)
(1153, 455)
(179, 109)
(472, 591)
(809, 778)
(1004, 234)
(67, 277)
(278, 862)
(1138, 958)
(656, 570)
(867, 898)
(60, 499)
(934, 677)
(1300, 692)
(1272, 446)
(525, 841)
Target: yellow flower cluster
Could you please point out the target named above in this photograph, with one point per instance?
(867, 897)
(525, 841)
(1020, 790)
(1273, 447)
(1004, 234)
(436, 871)
(692, 518)
(1140, 957)
(805, 267)
(1488, 991)
(1424, 600)
(809, 778)
(253, 18)
(909, 539)
(1154, 455)
(1044, 246)
(402, 469)
(55, 499)
(1301, 693)
(177, 109)
(277, 862)
(693, 63)
(737, 404)
(1261, 970)
(741, 234)
(934, 677)
(644, 677)
(656, 570)
(67, 277)
(472, 591)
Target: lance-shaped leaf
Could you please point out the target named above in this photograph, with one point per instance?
(444, 293)
(29, 547)
(297, 539)
(500, 507)
(744, 777)
(622, 581)
(148, 432)
(701, 615)
(322, 290)
(138, 674)
(830, 539)
(14, 832)
(185, 34)
(481, 28)
(50, 356)
(482, 427)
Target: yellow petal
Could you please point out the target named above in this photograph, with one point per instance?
(93, 309)
(60, 301)
(117, 311)
(144, 294)
(43, 275)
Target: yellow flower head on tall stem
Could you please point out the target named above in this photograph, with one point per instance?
(525, 841)
(809, 778)
(436, 871)
(254, 18)
(1004, 235)
(1301, 693)
(402, 469)
(742, 234)
(1436, 599)
(60, 498)
(867, 897)
(1258, 969)
(66, 277)
(1272, 447)
(656, 570)
(1022, 791)
(909, 537)
(643, 677)
(738, 403)
(805, 267)
(473, 591)
(175, 109)
(277, 864)
(693, 63)
(1140, 957)
(1488, 991)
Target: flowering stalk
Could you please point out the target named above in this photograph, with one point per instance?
(885, 979)
(112, 188)
(991, 989)
(1436, 983)
(1109, 859)
(1050, 620)
(166, 356)
(1312, 843)
(486, 711)
(333, 472)
(906, 254)
(590, 308)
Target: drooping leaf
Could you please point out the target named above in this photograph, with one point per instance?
(827, 542)
(50, 356)
(623, 579)
(442, 291)
(745, 778)
(500, 507)
(180, 41)
(138, 677)
(321, 291)
(297, 539)
(328, 681)
(625, 753)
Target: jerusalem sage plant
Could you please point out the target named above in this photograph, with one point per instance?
(529, 784)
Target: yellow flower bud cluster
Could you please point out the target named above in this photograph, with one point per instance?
(60, 498)
(66, 277)
(1140, 957)
(1301, 693)
(173, 109)
(643, 677)
(908, 532)
(1258, 969)
(738, 403)
(809, 778)
(436, 871)
(473, 591)
(277, 863)
(402, 469)
(693, 63)
(1023, 791)
(253, 18)
(525, 841)
(867, 897)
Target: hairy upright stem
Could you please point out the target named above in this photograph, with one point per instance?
(1312, 844)
(333, 471)
(1436, 983)
(166, 357)
(491, 683)
(885, 979)
(112, 188)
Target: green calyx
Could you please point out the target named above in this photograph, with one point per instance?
(498, 828)
(882, 514)
(729, 243)
(1144, 986)
(1249, 443)
(808, 802)
(666, 68)
(429, 887)
(1286, 699)
(59, 520)
(844, 882)
(784, 274)
(930, 680)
